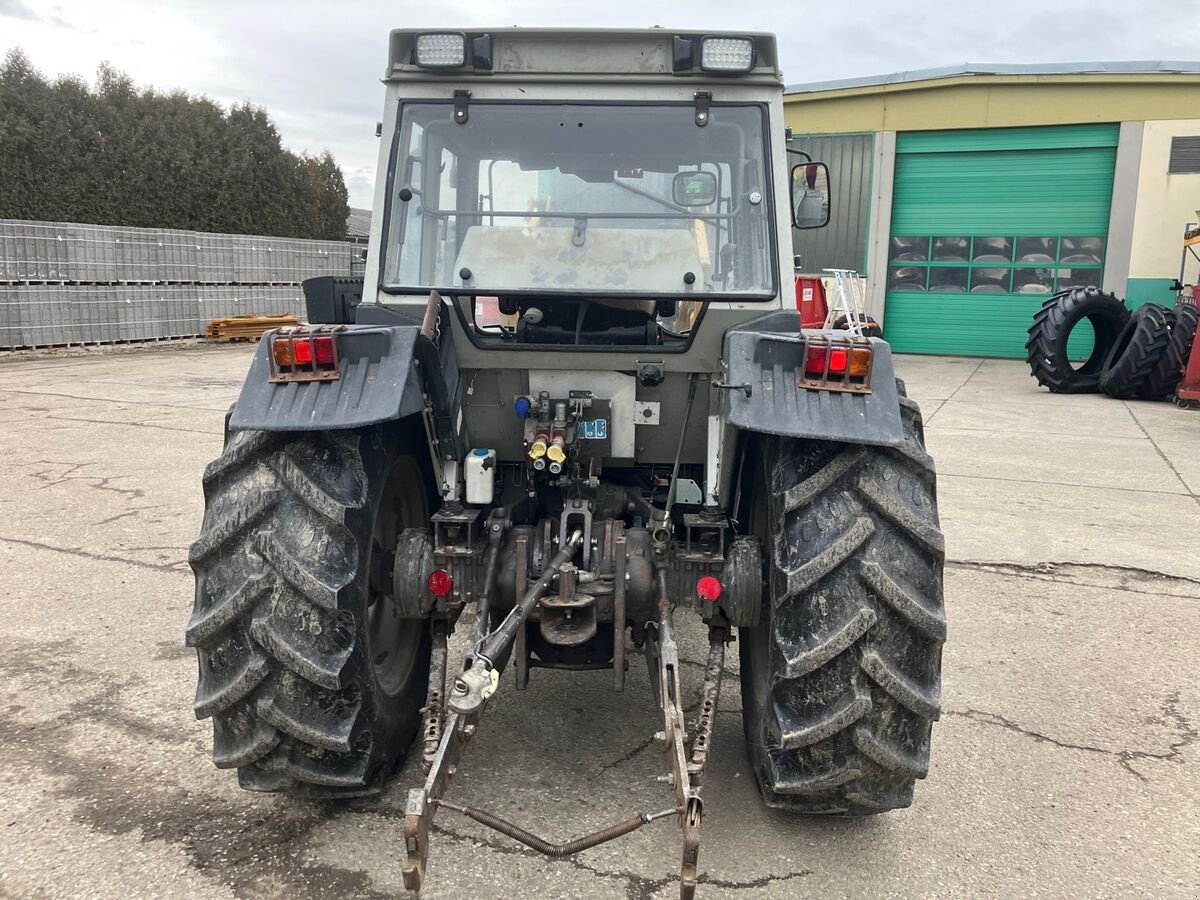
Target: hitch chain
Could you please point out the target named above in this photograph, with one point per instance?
(455, 726)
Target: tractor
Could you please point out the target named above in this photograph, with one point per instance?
(573, 396)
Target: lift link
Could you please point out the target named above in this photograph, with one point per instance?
(686, 774)
(434, 712)
(475, 686)
(471, 692)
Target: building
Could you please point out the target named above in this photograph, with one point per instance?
(358, 225)
(969, 194)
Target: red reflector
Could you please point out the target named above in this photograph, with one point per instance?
(839, 359)
(814, 360)
(708, 588)
(323, 346)
(302, 353)
(440, 582)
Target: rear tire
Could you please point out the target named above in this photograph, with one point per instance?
(841, 680)
(313, 684)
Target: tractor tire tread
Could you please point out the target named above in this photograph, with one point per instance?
(281, 674)
(1046, 346)
(857, 626)
(1138, 352)
(1165, 377)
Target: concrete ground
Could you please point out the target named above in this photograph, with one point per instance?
(1067, 762)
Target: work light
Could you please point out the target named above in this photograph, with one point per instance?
(441, 50)
(726, 54)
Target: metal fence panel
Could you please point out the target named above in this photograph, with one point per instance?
(10, 316)
(65, 283)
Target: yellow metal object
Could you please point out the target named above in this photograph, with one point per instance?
(538, 448)
(557, 452)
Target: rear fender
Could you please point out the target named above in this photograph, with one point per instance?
(379, 381)
(768, 354)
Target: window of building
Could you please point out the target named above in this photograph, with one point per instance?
(994, 264)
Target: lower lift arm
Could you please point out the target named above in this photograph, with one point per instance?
(475, 686)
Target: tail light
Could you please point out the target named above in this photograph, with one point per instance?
(836, 363)
(440, 583)
(300, 355)
(709, 588)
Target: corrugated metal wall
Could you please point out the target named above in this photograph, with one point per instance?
(63, 283)
(842, 244)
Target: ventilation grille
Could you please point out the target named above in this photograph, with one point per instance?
(1185, 155)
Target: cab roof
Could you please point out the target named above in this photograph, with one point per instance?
(584, 54)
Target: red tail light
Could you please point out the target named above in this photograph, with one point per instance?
(302, 352)
(839, 359)
(440, 583)
(814, 361)
(299, 355)
(709, 588)
(836, 364)
(323, 348)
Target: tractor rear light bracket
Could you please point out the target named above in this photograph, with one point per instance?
(317, 345)
(835, 363)
(455, 532)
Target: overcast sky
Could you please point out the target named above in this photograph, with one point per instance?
(315, 66)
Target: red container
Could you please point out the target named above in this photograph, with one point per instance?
(810, 300)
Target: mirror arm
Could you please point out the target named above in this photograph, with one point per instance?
(800, 153)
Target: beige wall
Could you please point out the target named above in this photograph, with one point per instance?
(992, 101)
(1165, 204)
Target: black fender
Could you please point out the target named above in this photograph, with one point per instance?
(381, 379)
(768, 354)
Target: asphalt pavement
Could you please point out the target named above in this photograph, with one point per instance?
(1066, 763)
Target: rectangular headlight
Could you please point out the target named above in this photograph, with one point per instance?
(441, 51)
(726, 54)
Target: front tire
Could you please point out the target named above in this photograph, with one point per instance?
(841, 679)
(313, 684)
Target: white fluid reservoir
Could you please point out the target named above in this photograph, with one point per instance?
(481, 475)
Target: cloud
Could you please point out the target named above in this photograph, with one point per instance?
(315, 66)
(16, 9)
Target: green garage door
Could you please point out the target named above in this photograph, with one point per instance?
(985, 225)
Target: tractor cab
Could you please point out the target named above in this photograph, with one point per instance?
(605, 205)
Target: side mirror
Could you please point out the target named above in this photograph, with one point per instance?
(694, 189)
(811, 195)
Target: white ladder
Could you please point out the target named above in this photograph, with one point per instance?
(848, 301)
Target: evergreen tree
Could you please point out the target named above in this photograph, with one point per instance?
(119, 155)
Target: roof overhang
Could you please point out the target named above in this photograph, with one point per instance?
(977, 74)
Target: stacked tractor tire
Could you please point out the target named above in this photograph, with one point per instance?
(1139, 355)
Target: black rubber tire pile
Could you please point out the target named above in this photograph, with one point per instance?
(1139, 355)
